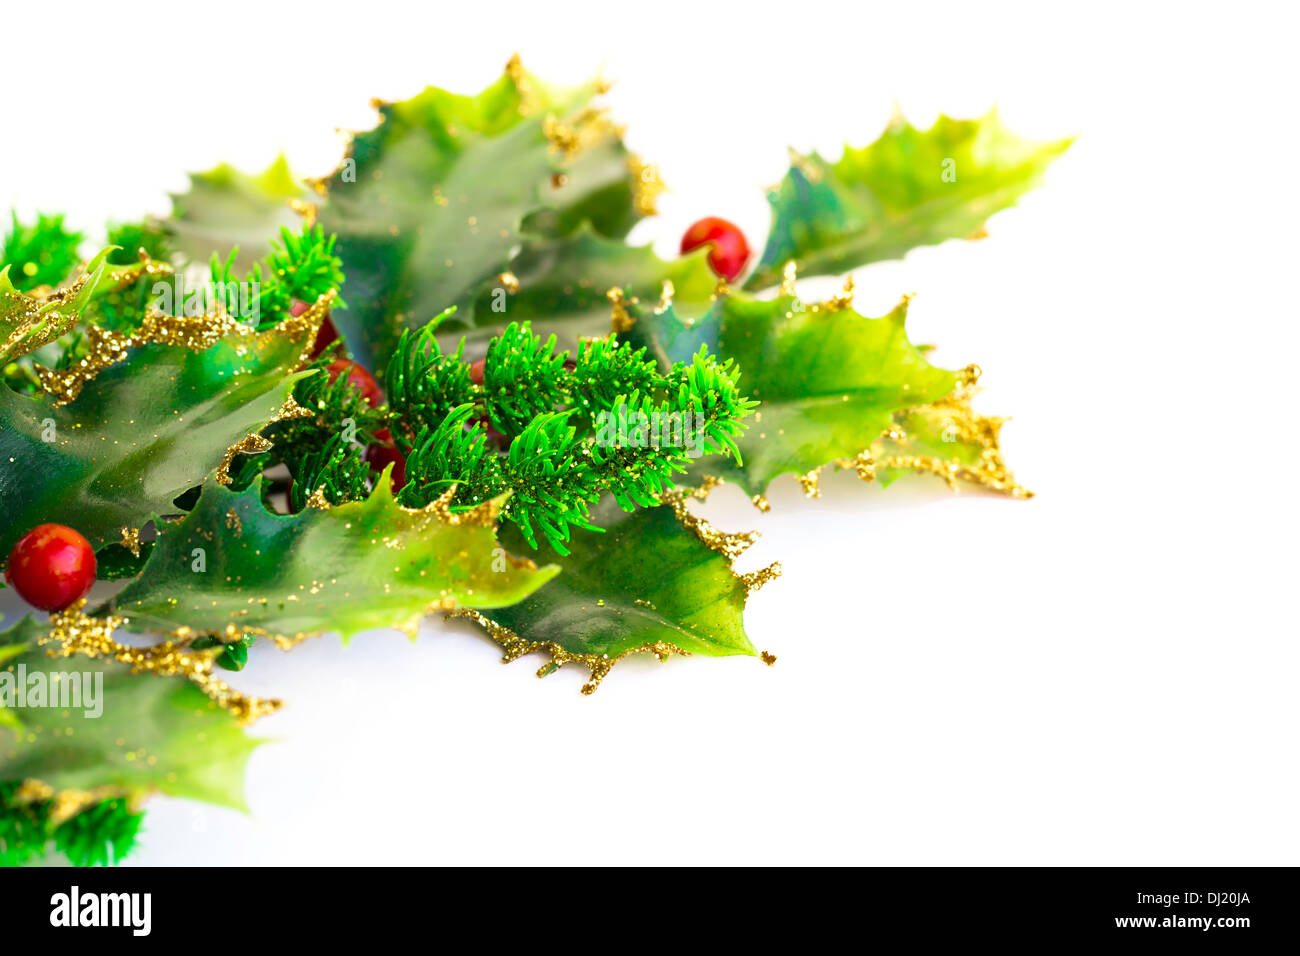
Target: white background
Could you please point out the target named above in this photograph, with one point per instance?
(1104, 674)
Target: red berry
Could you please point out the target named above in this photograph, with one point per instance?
(728, 250)
(380, 456)
(51, 567)
(476, 371)
(360, 378)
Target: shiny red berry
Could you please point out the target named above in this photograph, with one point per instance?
(51, 567)
(360, 378)
(476, 371)
(728, 250)
(380, 456)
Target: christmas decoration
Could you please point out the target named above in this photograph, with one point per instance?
(728, 248)
(436, 381)
(51, 566)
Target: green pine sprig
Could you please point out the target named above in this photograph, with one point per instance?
(99, 835)
(43, 253)
(523, 377)
(610, 421)
(424, 386)
(322, 450)
(301, 266)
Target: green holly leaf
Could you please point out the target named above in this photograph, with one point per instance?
(830, 380)
(910, 188)
(564, 283)
(347, 568)
(657, 580)
(28, 323)
(946, 439)
(432, 204)
(140, 734)
(144, 429)
(224, 208)
(118, 561)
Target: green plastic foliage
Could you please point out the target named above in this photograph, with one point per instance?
(150, 734)
(564, 285)
(44, 253)
(431, 206)
(646, 579)
(141, 432)
(27, 322)
(350, 568)
(225, 207)
(829, 380)
(909, 188)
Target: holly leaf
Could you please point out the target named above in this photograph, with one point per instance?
(139, 734)
(830, 380)
(163, 412)
(347, 568)
(563, 287)
(947, 439)
(432, 204)
(910, 188)
(658, 580)
(29, 322)
(224, 208)
(118, 561)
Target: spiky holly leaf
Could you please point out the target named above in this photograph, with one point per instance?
(149, 734)
(224, 208)
(29, 322)
(117, 561)
(648, 584)
(830, 380)
(909, 188)
(432, 203)
(564, 283)
(349, 568)
(145, 428)
(947, 439)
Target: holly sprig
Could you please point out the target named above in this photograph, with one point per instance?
(482, 243)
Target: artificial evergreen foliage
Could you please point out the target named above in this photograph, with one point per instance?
(41, 254)
(424, 386)
(335, 469)
(300, 266)
(523, 377)
(101, 834)
(560, 458)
